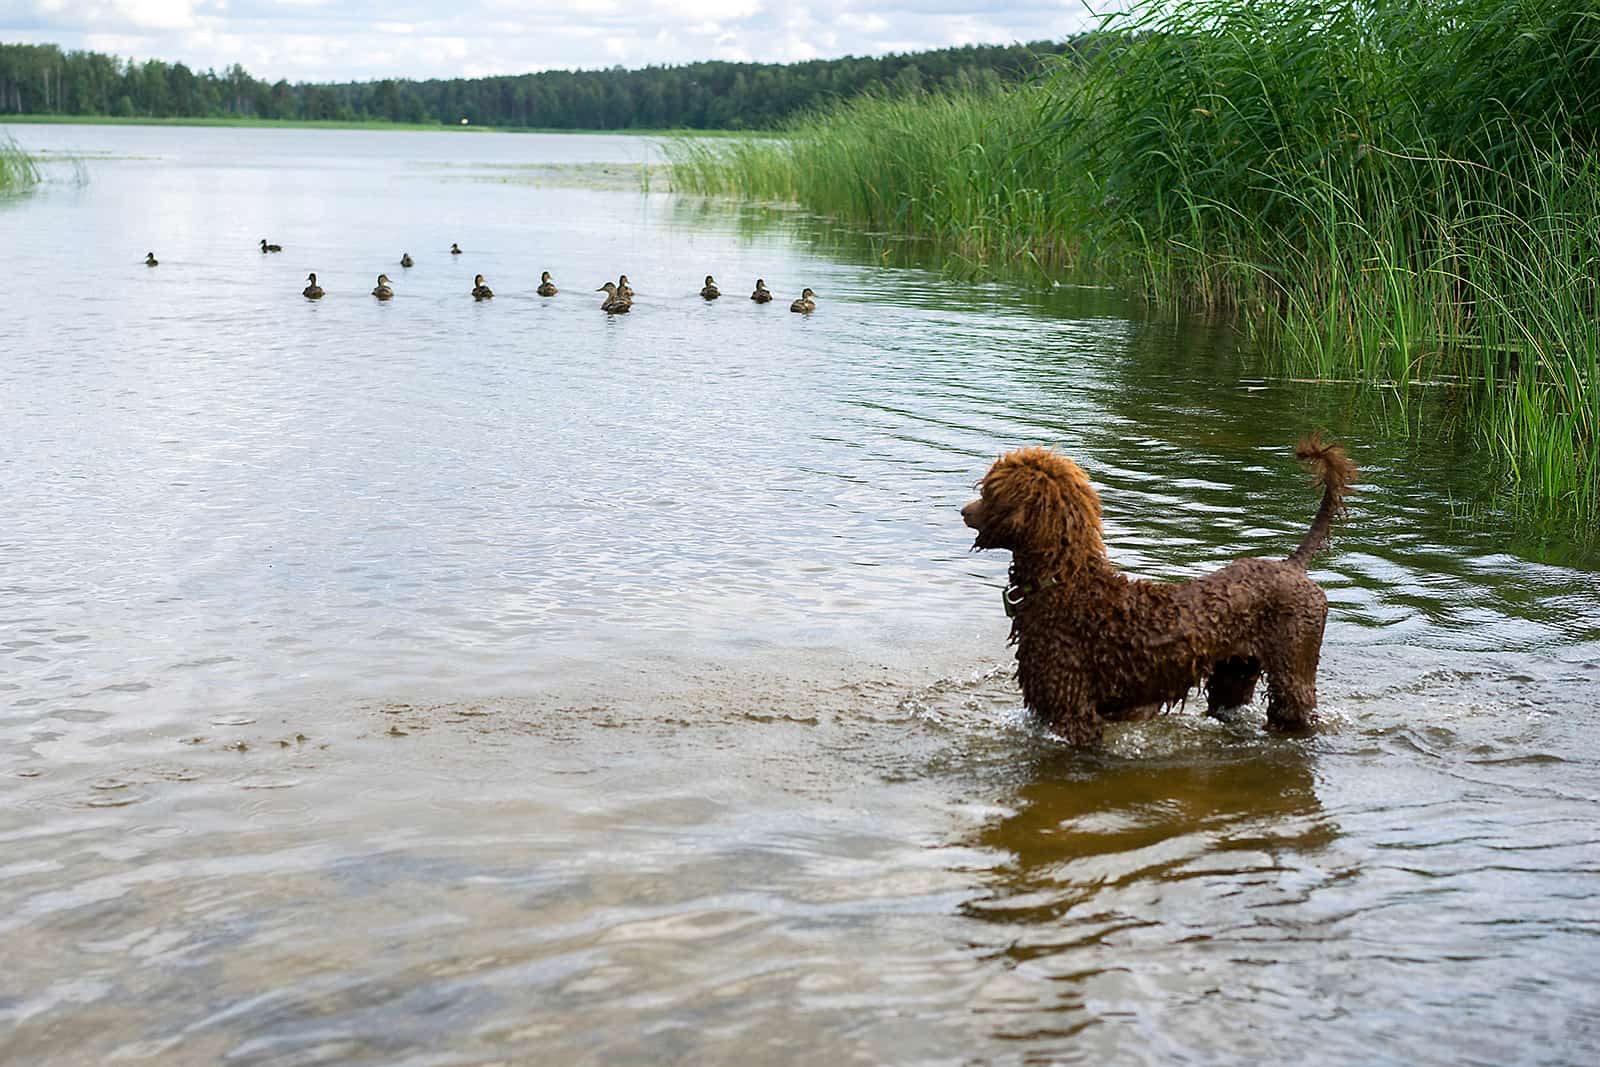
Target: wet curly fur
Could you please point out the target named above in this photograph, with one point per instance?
(1095, 646)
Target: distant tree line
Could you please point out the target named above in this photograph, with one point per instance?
(45, 80)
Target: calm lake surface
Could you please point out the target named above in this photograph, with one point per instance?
(438, 683)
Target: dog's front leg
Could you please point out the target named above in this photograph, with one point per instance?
(1060, 696)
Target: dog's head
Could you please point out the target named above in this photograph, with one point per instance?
(1038, 503)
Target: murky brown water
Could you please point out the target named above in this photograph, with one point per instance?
(442, 683)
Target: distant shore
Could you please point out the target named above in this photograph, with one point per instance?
(334, 124)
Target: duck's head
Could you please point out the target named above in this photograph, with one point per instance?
(263, 242)
(761, 283)
(454, 247)
(608, 287)
(383, 279)
(149, 255)
(807, 294)
(477, 279)
(710, 280)
(544, 276)
(312, 278)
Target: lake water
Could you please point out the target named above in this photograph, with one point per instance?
(437, 682)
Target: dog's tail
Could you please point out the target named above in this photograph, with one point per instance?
(1335, 473)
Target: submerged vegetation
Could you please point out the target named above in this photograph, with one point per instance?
(1399, 192)
(17, 168)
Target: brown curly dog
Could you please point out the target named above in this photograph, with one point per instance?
(1094, 645)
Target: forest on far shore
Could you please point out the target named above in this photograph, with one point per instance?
(45, 80)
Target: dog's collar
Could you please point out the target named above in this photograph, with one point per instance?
(1014, 594)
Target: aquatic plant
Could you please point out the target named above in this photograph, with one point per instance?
(17, 168)
(1396, 192)
(952, 168)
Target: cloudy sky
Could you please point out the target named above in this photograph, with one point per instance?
(317, 40)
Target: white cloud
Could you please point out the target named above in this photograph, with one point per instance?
(341, 40)
(871, 23)
(118, 14)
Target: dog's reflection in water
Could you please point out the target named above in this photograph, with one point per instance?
(1092, 844)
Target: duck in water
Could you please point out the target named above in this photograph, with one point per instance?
(150, 260)
(614, 303)
(383, 292)
(546, 286)
(806, 304)
(479, 290)
(762, 295)
(312, 291)
(624, 290)
(265, 248)
(455, 249)
(405, 259)
(710, 291)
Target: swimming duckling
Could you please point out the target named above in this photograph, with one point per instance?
(455, 249)
(614, 303)
(150, 260)
(312, 291)
(546, 286)
(265, 248)
(762, 295)
(805, 303)
(710, 292)
(405, 259)
(383, 292)
(479, 290)
(624, 290)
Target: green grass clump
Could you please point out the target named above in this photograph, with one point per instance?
(17, 169)
(955, 169)
(1390, 190)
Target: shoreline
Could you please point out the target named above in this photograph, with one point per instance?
(339, 124)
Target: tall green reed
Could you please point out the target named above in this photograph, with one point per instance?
(956, 169)
(1397, 191)
(1392, 191)
(17, 168)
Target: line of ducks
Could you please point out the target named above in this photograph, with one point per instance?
(619, 294)
(617, 301)
(762, 294)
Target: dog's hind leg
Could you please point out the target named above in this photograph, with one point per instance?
(1232, 685)
(1291, 665)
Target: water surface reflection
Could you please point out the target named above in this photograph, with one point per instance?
(439, 682)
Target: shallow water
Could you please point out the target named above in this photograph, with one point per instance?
(435, 682)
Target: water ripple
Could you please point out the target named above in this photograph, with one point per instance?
(435, 682)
